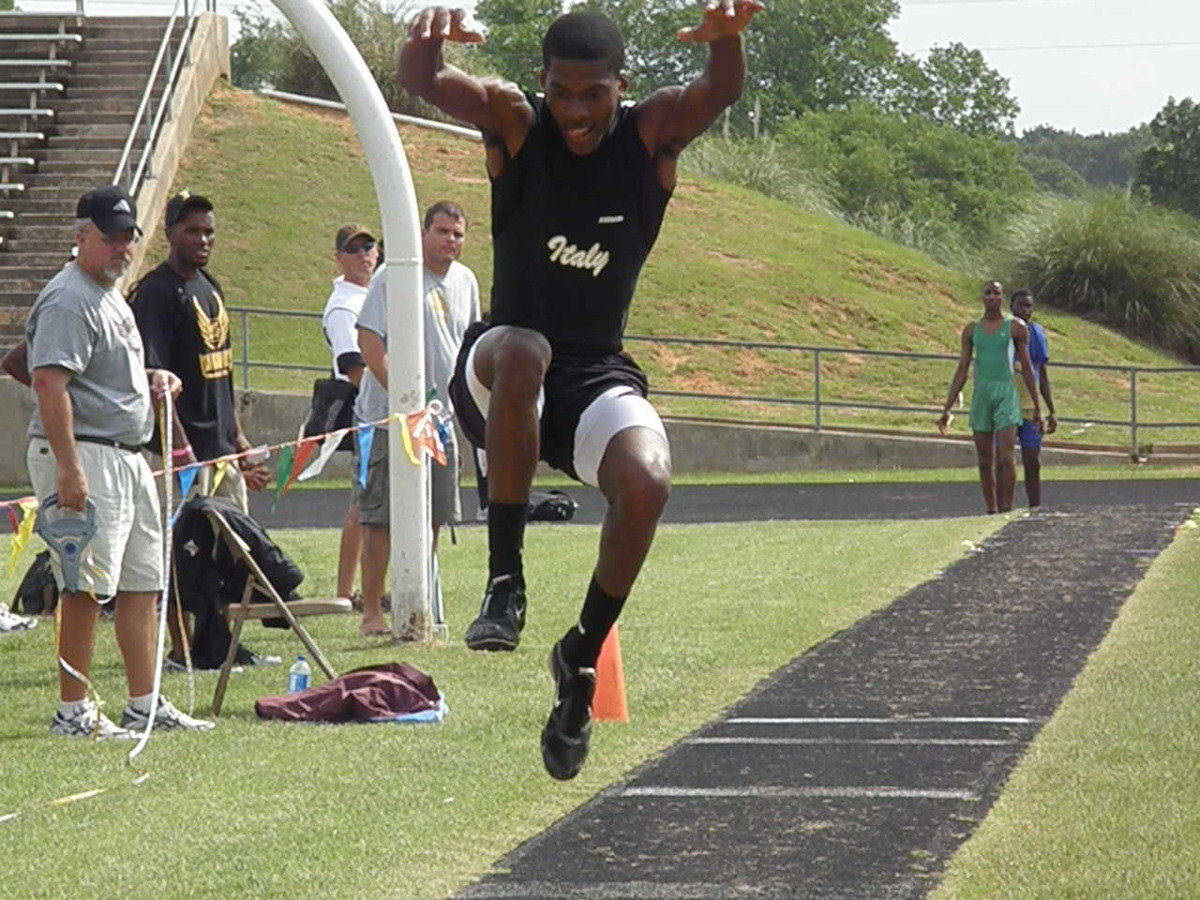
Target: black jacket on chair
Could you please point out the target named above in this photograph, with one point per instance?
(208, 576)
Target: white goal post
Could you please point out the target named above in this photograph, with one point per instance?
(410, 524)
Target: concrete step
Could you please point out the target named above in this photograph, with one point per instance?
(97, 118)
(87, 79)
(52, 170)
(98, 130)
(25, 285)
(118, 53)
(116, 69)
(35, 262)
(84, 106)
(71, 172)
(99, 92)
(69, 142)
(67, 188)
(32, 233)
(43, 156)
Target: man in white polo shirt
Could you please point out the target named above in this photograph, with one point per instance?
(92, 415)
(356, 254)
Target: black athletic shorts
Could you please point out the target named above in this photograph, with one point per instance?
(572, 382)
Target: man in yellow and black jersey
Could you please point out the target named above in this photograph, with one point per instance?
(185, 329)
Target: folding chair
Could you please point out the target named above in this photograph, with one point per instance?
(278, 608)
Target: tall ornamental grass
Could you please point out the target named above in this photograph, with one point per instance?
(1116, 259)
(762, 166)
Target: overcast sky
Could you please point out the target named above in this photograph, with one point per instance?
(1078, 83)
(1092, 88)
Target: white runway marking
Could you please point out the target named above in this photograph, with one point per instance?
(788, 793)
(910, 720)
(923, 742)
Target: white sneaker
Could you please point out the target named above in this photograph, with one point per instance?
(10, 622)
(168, 718)
(88, 722)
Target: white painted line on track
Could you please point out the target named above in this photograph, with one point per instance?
(909, 720)
(787, 793)
(625, 890)
(885, 742)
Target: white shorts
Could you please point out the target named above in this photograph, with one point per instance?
(126, 553)
(611, 412)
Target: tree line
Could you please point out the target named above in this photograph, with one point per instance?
(836, 118)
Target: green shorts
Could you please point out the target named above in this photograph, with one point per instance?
(994, 407)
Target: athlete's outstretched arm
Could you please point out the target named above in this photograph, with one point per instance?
(488, 104)
(959, 379)
(1020, 337)
(673, 117)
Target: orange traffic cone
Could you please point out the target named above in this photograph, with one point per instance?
(608, 703)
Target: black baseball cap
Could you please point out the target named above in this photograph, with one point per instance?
(110, 208)
(182, 204)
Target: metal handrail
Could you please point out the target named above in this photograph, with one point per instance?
(191, 10)
(818, 403)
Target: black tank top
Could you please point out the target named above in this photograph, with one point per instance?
(571, 233)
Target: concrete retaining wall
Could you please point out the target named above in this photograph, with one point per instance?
(695, 446)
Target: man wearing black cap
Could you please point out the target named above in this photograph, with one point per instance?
(185, 329)
(93, 413)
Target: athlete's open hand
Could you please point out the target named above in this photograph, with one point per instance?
(722, 18)
(943, 423)
(441, 23)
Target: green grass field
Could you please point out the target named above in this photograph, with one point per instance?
(729, 264)
(1106, 802)
(414, 812)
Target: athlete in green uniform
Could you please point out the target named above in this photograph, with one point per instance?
(995, 342)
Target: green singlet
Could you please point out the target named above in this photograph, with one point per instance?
(994, 402)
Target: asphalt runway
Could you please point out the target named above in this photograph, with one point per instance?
(860, 768)
(765, 502)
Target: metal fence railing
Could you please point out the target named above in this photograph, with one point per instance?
(819, 402)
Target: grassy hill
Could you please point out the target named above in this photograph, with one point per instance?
(729, 264)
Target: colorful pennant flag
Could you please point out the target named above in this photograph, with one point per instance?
(365, 434)
(328, 448)
(187, 477)
(24, 532)
(218, 475)
(283, 475)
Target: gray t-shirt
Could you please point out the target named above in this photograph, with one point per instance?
(80, 326)
(451, 304)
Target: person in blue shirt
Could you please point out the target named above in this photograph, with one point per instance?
(1029, 435)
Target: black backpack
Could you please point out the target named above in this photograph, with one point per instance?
(37, 594)
(550, 506)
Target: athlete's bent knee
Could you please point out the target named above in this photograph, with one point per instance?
(519, 358)
(644, 492)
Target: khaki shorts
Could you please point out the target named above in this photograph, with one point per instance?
(126, 553)
(373, 500)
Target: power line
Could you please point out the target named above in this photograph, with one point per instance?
(981, 2)
(1128, 46)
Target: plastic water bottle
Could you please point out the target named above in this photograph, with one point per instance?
(299, 675)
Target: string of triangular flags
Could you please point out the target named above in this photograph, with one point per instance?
(424, 437)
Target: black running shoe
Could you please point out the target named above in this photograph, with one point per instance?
(569, 728)
(501, 617)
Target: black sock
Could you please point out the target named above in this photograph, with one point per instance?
(506, 536)
(581, 648)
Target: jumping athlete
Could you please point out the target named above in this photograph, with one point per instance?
(580, 183)
(1029, 436)
(995, 341)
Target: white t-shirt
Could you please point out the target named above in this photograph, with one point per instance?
(340, 320)
(451, 304)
